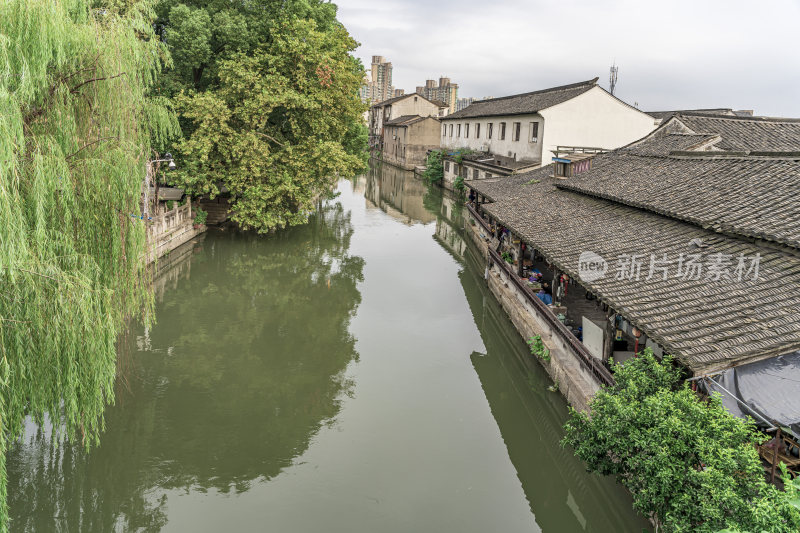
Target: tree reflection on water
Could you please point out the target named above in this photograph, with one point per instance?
(246, 363)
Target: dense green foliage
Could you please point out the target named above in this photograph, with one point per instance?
(690, 465)
(268, 98)
(458, 185)
(76, 127)
(434, 168)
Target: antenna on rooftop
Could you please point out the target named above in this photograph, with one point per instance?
(612, 78)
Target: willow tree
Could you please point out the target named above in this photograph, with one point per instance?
(77, 125)
(281, 127)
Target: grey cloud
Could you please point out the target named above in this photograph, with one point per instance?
(676, 54)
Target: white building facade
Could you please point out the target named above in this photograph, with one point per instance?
(520, 132)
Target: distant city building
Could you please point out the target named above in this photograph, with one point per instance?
(462, 103)
(399, 92)
(444, 92)
(378, 85)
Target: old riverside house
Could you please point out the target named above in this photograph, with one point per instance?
(521, 132)
(402, 106)
(407, 139)
(686, 241)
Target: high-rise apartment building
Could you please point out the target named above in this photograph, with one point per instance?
(444, 92)
(378, 85)
(462, 103)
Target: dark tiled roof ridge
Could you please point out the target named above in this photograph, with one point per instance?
(542, 91)
(406, 120)
(786, 120)
(699, 110)
(721, 227)
(389, 101)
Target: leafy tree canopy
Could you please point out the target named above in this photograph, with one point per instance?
(690, 465)
(281, 127)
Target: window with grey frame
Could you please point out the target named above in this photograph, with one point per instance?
(475, 173)
(477, 130)
(458, 130)
(534, 132)
(502, 132)
(466, 130)
(516, 127)
(447, 166)
(489, 130)
(451, 130)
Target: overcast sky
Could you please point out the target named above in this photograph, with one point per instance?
(672, 54)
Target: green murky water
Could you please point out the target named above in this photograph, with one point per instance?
(352, 375)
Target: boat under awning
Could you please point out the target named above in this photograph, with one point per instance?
(767, 390)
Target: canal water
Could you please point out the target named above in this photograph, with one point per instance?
(350, 375)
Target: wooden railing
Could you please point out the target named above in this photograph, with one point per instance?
(585, 358)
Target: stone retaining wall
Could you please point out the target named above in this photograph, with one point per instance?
(575, 382)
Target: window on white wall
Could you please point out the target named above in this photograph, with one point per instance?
(502, 133)
(444, 130)
(515, 130)
(451, 130)
(477, 130)
(489, 130)
(447, 166)
(534, 132)
(458, 130)
(466, 130)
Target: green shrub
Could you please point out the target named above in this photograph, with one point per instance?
(200, 216)
(434, 168)
(689, 464)
(539, 349)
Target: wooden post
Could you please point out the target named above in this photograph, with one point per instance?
(519, 258)
(610, 332)
(778, 436)
(554, 286)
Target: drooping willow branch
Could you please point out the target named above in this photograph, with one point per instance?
(70, 269)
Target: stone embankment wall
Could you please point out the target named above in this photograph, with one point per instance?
(575, 382)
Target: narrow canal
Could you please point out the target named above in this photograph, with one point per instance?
(351, 375)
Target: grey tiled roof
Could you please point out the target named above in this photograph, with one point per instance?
(500, 188)
(749, 196)
(714, 111)
(390, 101)
(406, 120)
(746, 133)
(709, 325)
(669, 142)
(523, 103)
(639, 199)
